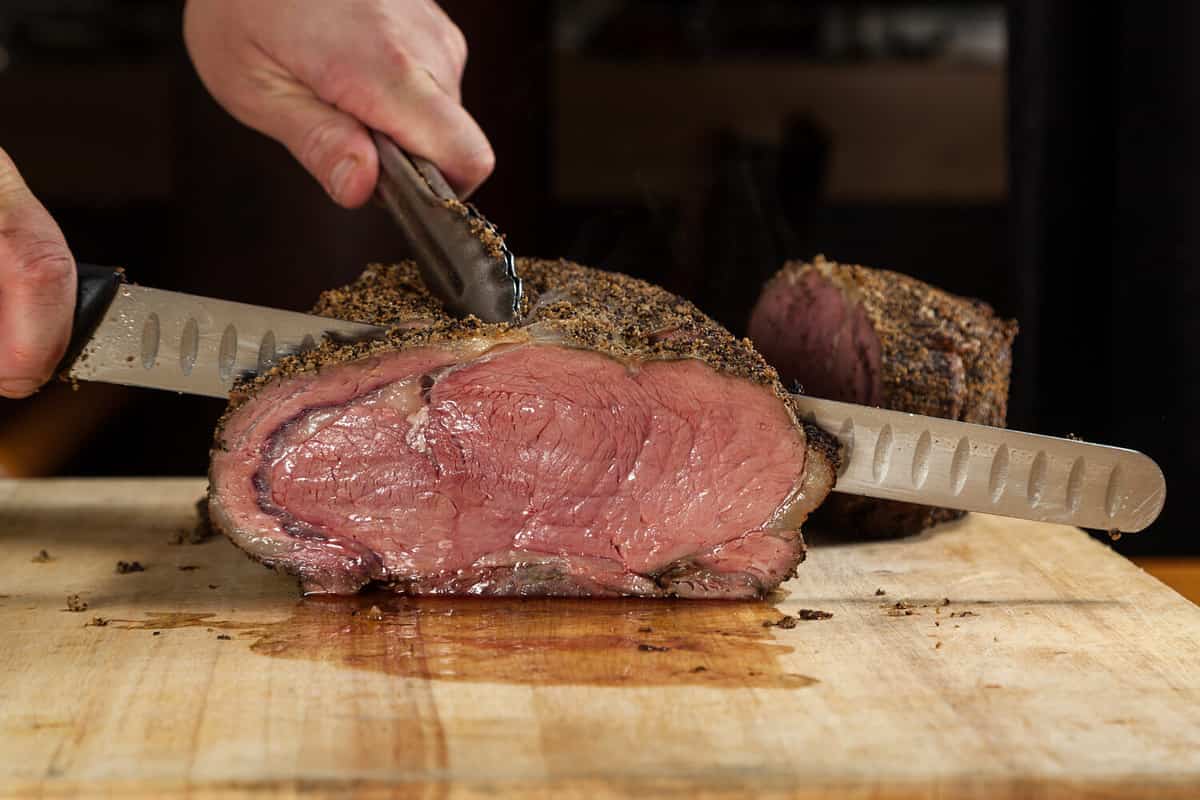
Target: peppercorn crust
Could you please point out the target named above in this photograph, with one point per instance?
(607, 312)
(920, 327)
(604, 311)
(943, 356)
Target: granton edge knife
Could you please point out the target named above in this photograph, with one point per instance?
(138, 336)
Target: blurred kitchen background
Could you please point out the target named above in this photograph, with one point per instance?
(1039, 154)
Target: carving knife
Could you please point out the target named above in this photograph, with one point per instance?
(139, 336)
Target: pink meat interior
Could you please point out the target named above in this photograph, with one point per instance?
(416, 465)
(815, 336)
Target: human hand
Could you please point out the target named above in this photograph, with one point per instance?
(315, 74)
(37, 288)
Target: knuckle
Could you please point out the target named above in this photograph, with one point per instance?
(46, 269)
(455, 44)
(320, 141)
(397, 55)
(337, 78)
(347, 86)
(12, 187)
(482, 162)
(477, 166)
(30, 359)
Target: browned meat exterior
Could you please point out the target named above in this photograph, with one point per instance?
(617, 442)
(876, 337)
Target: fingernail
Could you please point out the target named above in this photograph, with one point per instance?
(18, 387)
(340, 179)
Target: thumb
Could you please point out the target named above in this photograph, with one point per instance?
(333, 146)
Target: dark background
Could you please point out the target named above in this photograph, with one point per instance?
(1040, 154)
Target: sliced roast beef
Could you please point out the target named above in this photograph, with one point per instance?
(880, 338)
(618, 442)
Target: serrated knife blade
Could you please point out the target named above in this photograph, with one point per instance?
(196, 345)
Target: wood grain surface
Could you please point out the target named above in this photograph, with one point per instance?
(1024, 660)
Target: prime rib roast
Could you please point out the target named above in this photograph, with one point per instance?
(847, 332)
(616, 442)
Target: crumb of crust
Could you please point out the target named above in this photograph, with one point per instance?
(126, 567)
(42, 557)
(76, 603)
(786, 622)
(493, 241)
(487, 234)
(213, 586)
(158, 633)
(963, 614)
(652, 648)
(96, 622)
(880, 592)
(937, 646)
(899, 609)
(224, 637)
(812, 613)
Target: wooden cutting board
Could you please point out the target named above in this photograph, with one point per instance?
(1023, 660)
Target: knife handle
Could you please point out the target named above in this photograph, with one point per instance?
(96, 288)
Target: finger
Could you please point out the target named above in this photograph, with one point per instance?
(37, 288)
(413, 110)
(442, 49)
(445, 71)
(332, 145)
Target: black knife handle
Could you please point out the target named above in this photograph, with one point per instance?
(97, 287)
